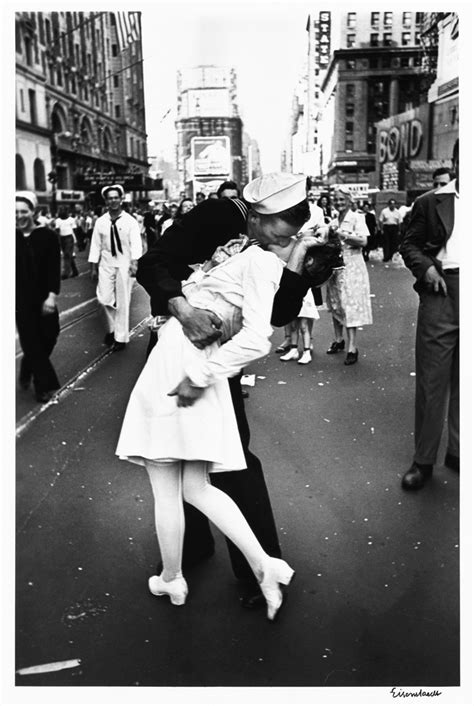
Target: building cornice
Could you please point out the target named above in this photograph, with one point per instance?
(35, 129)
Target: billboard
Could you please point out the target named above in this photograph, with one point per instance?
(211, 156)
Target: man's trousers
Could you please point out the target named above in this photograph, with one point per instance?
(114, 291)
(437, 371)
(38, 334)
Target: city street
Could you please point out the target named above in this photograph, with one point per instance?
(375, 599)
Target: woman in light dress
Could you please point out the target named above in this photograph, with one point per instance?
(180, 422)
(348, 290)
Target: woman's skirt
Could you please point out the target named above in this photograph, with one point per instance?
(348, 292)
(155, 428)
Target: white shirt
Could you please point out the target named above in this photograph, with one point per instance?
(316, 219)
(450, 255)
(129, 234)
(390, 218)
(65, 226)
(240, 291)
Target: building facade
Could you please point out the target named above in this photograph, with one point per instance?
(80, 115)
(411, 145)
(209, 129)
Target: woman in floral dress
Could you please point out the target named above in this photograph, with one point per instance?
(348, 290)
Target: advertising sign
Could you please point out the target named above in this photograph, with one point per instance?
(96, 180)
(403, 136)
(211, 156)
(324, 37)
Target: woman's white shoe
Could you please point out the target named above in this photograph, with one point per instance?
(275, 572)
(291, 355)
(305, 358)
(177, 589)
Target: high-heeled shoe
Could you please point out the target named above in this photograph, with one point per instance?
(177, 590)
(351, 357)
(275, 572)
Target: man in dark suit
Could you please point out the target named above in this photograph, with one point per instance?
(211, 224)
(431, 250)
(38, 266)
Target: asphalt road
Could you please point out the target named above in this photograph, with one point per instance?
(375, 599)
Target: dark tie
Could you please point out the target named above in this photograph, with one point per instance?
(114, 238)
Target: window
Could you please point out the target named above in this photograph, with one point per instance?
(350, 64)
(406, 36)
(114, 50)
(60, 76)
(28, 51)
(73, 84)
(374, 18)
(117, 111)
(39, 175)
(373, 62)
(86, 93)
(387, 39)
(351, 40)
(417, 61)
(417, 37)
(78, 54)
(132, 147)
(351, 19)
(386, 63)
(20, 173)
(388, 19)
(349, 145)
(405, 62)
(112, 19)
(349, 110)
(374, 40)
(349, 127)
(41, 27)
(350, 90)
(33, 111)
(47, 29)
(116, 82)
(419, 18)
(406, 19)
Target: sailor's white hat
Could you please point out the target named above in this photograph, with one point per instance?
(275, 192)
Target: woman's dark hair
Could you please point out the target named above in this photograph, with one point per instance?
(322, 260)
(296, 215)
(228, 185)
(63, 212)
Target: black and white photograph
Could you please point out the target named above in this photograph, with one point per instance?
(237, 458)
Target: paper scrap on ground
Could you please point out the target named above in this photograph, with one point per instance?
(248, 380)
(50, 667)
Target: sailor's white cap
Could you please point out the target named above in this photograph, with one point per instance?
(275, 192)
(116, 187)
(28, 196)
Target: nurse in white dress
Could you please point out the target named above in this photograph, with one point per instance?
(180, 423)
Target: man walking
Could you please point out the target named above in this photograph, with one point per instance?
(390, 220)
(431, 249)
(38, 267)
(115, 248)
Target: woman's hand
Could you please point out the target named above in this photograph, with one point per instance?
(186, 392)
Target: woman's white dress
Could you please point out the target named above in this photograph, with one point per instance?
(240, 291)
(348, 290)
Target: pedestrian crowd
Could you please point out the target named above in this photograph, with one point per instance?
(221, 273)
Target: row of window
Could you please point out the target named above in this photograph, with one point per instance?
(386, 40)
(375, 18)
(384, 62)
(39, 174)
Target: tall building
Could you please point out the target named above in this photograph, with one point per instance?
(80, 117)
(209, 128)
(412, 144)
(362, 67)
